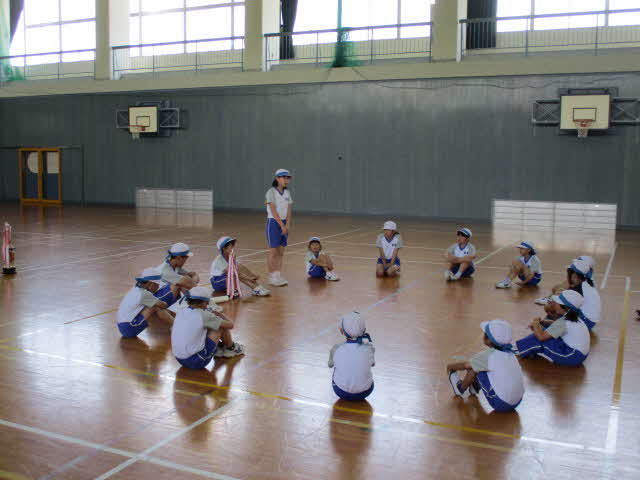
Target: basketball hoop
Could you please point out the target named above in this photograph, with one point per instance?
(583, 126)
(136, 130)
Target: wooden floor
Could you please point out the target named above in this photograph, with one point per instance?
(78, 402)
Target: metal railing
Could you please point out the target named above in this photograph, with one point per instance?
(186, 55)
(528, 34)
(362, 44)
(48, 65)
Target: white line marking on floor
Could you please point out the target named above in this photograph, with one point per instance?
(606, 272)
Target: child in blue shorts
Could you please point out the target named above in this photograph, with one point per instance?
(198, 334)
(389, 243)
(319, 264)
(278, 200)
(177, 279)
(220, 269)
(493, 373)
(352, 360)
(527, 268)
(460, 257)
(140, 305)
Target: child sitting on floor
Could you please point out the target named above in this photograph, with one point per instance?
(352, 360)
(197, 331)
(319, 264)
(527, 268)
(494, 373)
(460, 257)
(140, 306)
(389, 243)
(563, 339)
(220, 269)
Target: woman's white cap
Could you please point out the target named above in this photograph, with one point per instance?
(199, 293)
(498, 331)
(590, 261)
(282, 172)
(180, 250)
(580, 266)
(389, 225)
(569, 298)
(353, 324)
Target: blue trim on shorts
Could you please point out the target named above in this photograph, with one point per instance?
(275, 238)
(533, 282)
(470, 270)
(199, 360)
(499, 405)
(316, 271)
(133, 328)
(397, 262)
(352, 397)
(166, 295)
(590, 325)
(555, 349)
(219, 283)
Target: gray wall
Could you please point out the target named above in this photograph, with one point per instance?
(433, 148)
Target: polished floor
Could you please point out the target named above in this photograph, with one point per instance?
(77, 401)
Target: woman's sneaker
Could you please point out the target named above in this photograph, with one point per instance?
(504, 284)
(260, 291)
(332, 277)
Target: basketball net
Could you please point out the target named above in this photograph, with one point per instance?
(583, 127)
(233, 281)
(136, 130)
(8, 252)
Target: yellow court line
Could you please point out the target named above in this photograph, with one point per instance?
(12, 476)
(316, 404)
(617, 382)
(90, 316)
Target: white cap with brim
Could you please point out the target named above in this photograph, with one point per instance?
(465, 232)
(149, 275)
(223, 242)
(569, 299)
(498, 331)
(527, 244)
(589, 260)
(353, 324)
(282, 172)
(198, 293)
(314, 239)
(580, 266)
(180, 250)
(389, 225)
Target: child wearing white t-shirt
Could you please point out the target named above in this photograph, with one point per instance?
(278, 200)
(319, 263)
(352, 360)
(460, 257)
(139, 305)
(389, 243)
(564, 339)
(220, 269)
(197, 331)
(527, 268)
(493, 373)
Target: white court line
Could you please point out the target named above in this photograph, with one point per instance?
(188, 428)
(114, 451)
(606, 272)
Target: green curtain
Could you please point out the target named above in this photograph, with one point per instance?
(7, 71)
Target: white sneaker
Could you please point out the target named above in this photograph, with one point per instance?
(278, 282)
(542, 300)
(235, 350)
(215, 308)
(454, 380)
(447, 275)
(332, 277)
(503, 284)
(260, 291)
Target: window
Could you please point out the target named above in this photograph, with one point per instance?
(160, 21)
(627, 18)
(513, 8)
(47, 26)
(544, 7)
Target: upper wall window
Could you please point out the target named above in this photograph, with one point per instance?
(47, 27)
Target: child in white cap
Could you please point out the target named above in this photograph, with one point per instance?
(389, 243)
(352, 360)
(564, 285)
(460, 257)
(527, 268)
(139, 305)
(319, 263)
(196, 332)
(220, 269)
(494, 373)
(178, 279)
(279, 201)
(563, 339)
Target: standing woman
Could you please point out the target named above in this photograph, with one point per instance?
(279, 201)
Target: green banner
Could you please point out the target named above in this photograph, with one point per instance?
(7, 71)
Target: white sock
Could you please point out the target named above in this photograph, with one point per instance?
(457, 275)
